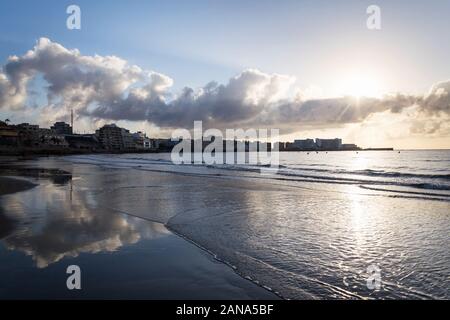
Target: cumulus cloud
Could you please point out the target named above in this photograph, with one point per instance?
(438, 99)
(73, 79)
(12, 95)
(109, 88)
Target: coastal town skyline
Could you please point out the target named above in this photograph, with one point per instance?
(61, 136)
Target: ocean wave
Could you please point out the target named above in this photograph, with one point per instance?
(427, 194)
(377, 173)
(342, 176)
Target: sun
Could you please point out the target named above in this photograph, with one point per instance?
(360, 85)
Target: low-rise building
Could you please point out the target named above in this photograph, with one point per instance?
(110, 137)
(61, 128)
(141, 141)
(115, 138)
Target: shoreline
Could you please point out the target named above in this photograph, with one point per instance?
(226, 263)
(24, 152)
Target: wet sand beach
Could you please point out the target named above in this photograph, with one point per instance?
(49, 222)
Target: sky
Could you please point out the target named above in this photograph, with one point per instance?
(309, 68)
